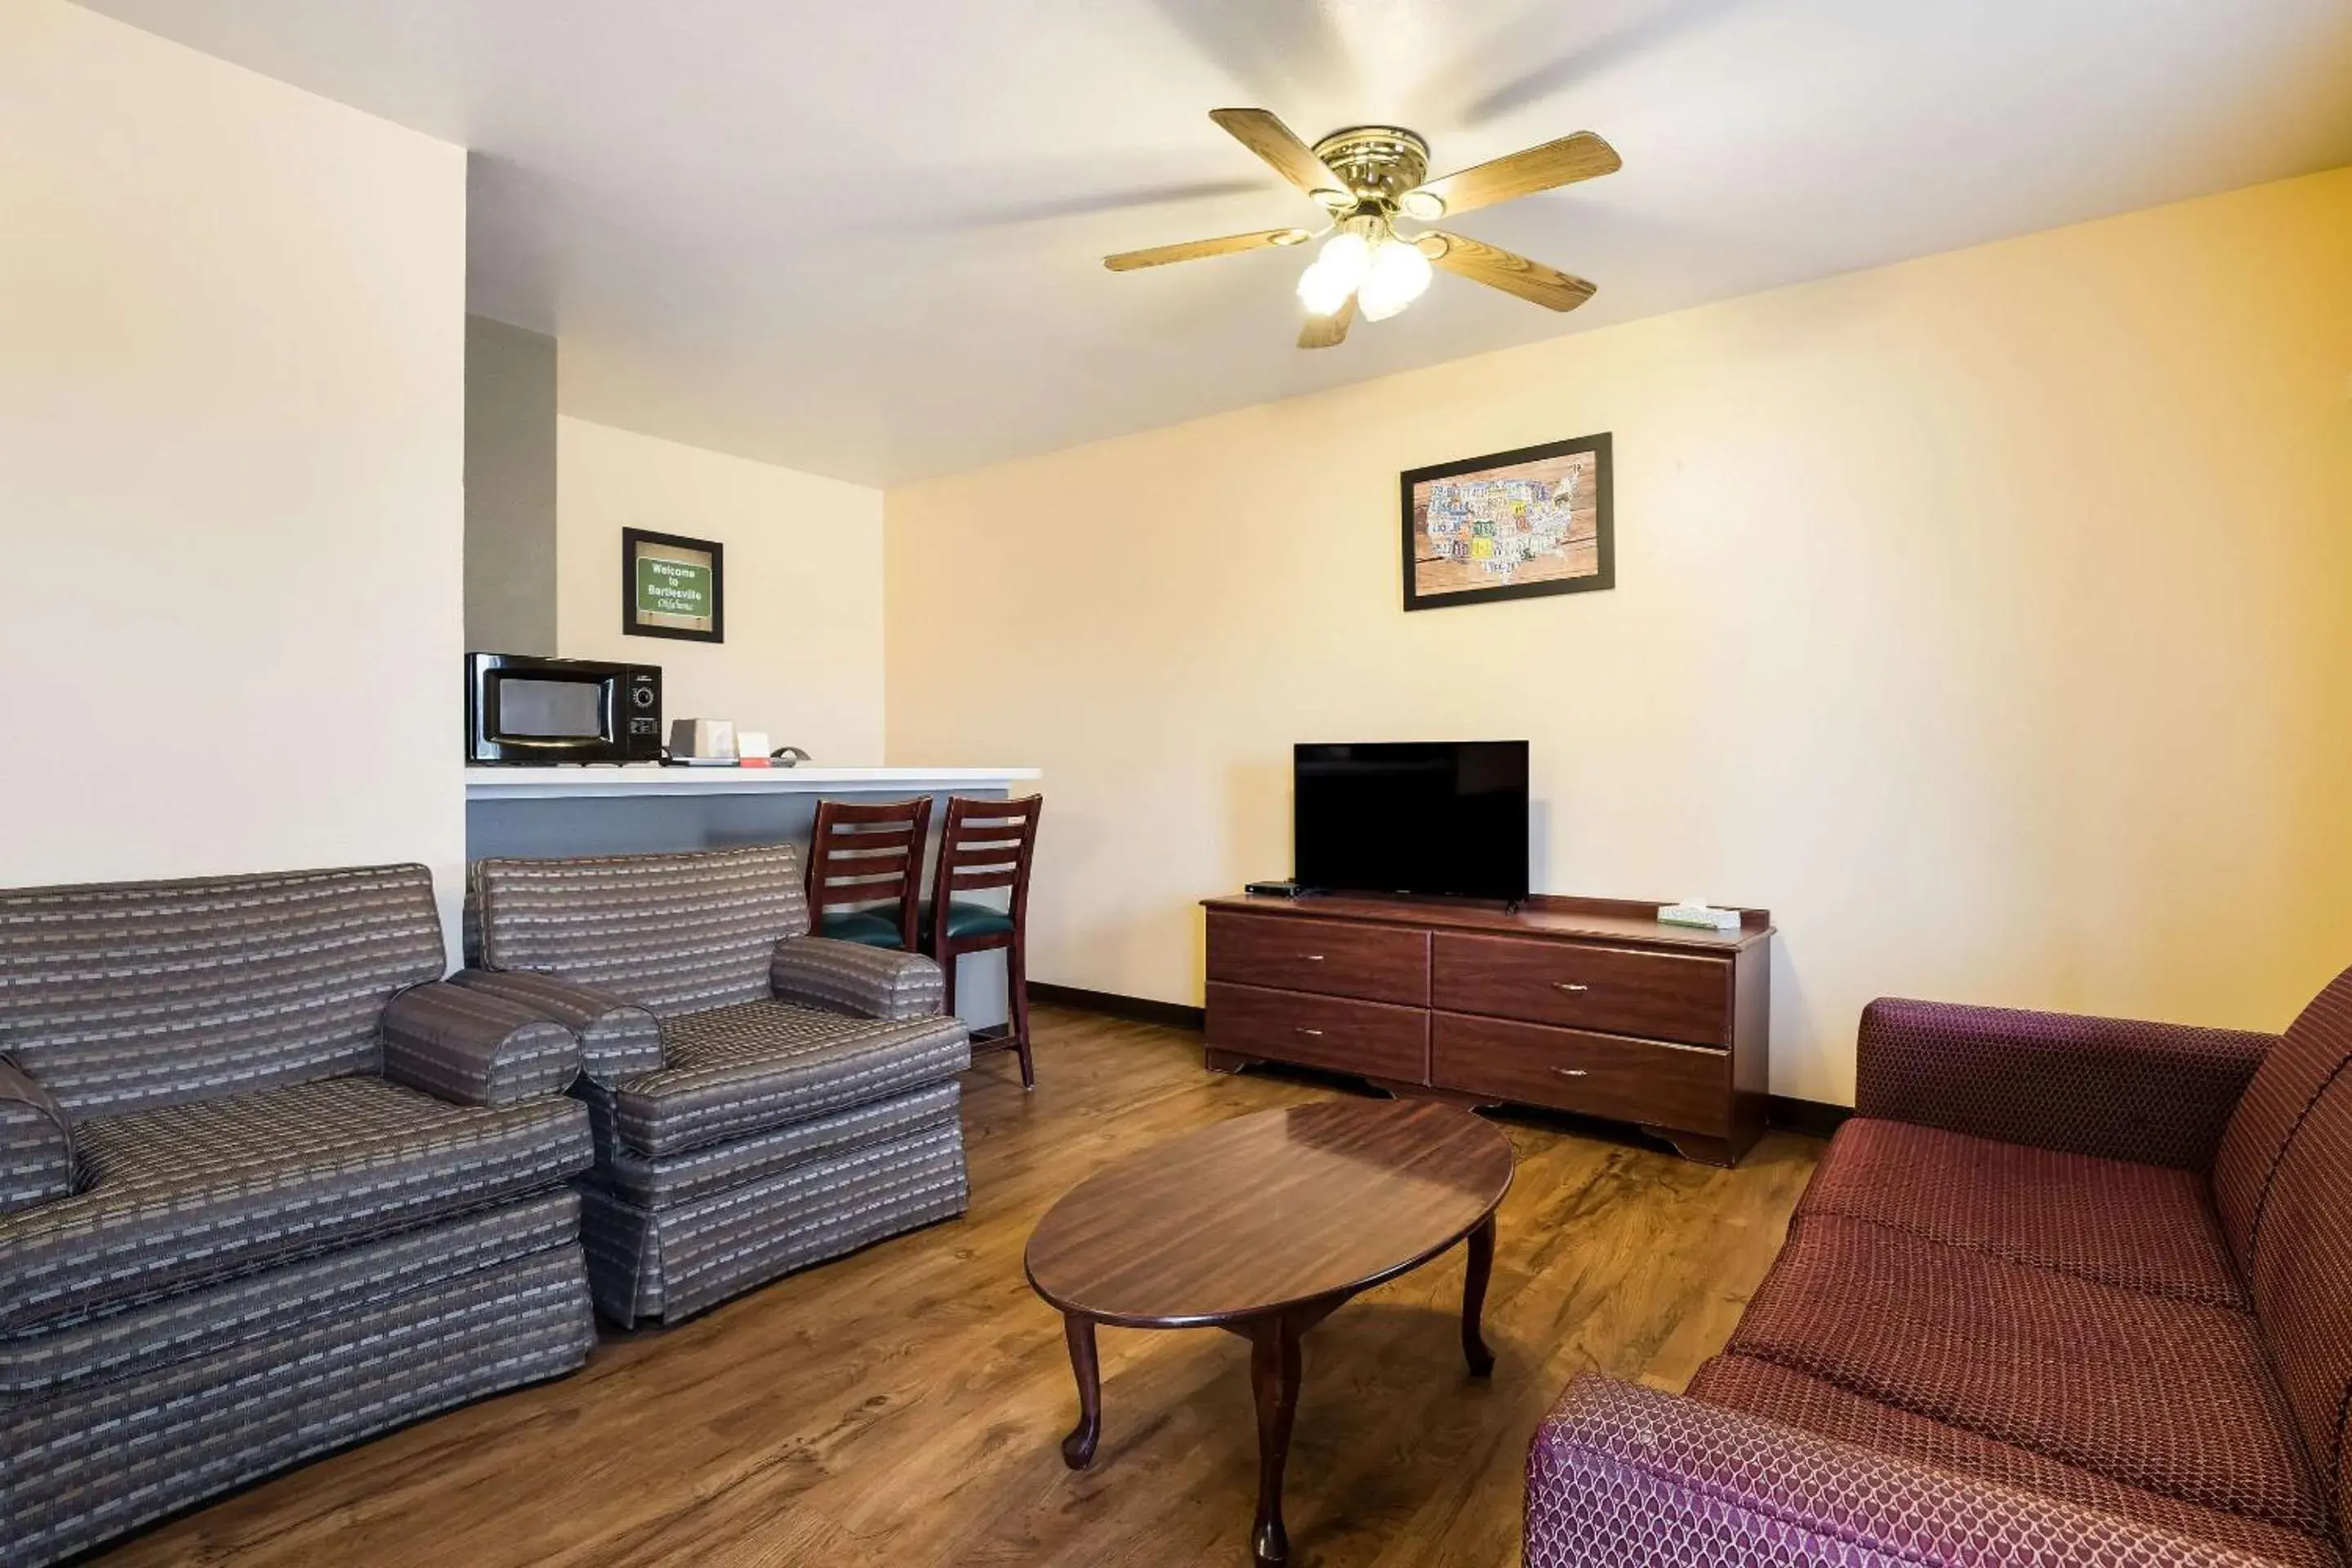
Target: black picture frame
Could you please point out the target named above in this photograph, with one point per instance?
(632, 620)
(1605, 525)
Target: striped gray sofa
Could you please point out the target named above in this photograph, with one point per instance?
(762, 1099)
(266, 1187)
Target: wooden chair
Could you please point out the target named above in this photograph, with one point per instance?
(865, 872)
(986, 844)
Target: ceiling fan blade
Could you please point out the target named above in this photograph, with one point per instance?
(1510, 272)
(1581, 156)
(1328, 332)
(1194, 249)
(1270, 139)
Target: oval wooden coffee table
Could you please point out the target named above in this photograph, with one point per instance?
(1262, 1226)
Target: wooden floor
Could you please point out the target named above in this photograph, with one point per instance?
(905, 1405)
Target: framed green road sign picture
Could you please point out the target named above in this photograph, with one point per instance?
(672, 587)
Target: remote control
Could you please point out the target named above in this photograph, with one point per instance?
(1697, 914)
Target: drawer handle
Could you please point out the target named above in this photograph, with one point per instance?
(1573, 1072)
(1569, 986)
(1305, 1031)
(1312, 957)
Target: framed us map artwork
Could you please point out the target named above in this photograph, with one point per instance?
(1509, 525)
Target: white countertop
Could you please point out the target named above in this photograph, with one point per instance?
(646, 778)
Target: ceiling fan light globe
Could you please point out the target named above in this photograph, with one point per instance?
(1348, 256)
(1399, 276)
(1323, 290)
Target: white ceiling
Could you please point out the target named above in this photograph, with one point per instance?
(861, 237)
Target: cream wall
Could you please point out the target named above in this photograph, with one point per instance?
(1989, 617)
(232, 321)
(803, 657)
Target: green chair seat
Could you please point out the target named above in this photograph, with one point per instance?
(965, 920)
(870, 927)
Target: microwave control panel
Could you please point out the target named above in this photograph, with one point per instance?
(642, 718)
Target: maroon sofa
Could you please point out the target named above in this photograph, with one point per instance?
(2065, 1290)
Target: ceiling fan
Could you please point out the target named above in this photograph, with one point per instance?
(1369, 177)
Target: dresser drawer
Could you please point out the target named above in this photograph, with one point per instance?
(1370, 1038)
(1686, 1088)
(1377, 964)
(1616, 990)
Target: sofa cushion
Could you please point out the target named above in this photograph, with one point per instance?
(186, 1193)
(2122, 1089)
(759, 1065)
(124, 996)
(1780, 1393)
(2170, 1396)
(2144, 1227)
(2312, 1055)
(2302, 1273)
(670, 933)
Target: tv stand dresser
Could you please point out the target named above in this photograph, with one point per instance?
(1581, 1004)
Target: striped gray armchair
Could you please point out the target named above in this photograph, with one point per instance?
(266, 1187)
(762, 1099)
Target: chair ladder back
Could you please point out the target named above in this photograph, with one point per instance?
(986, 844)
(861, 855)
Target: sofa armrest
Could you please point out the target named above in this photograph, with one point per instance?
(850, 977)
(36, 1157)
(469, 1047)
(618, 1039)
(2159, 1094)
(1625, 1476)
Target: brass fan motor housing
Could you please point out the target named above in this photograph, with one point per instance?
(1380, 162)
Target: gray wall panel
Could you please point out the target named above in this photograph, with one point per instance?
(509, 489)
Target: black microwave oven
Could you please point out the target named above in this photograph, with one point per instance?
(521, 710)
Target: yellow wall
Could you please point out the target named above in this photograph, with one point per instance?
(1988, 616)
(803, 658)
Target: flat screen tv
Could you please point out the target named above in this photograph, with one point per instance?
(1438, 817)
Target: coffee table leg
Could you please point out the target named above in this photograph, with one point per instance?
(1474, 1298)
(1274, 1368)
(1079, 1447)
